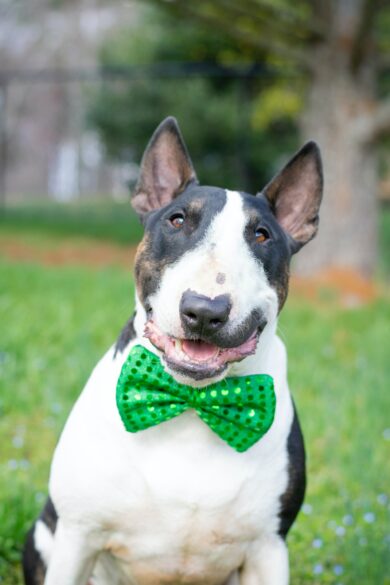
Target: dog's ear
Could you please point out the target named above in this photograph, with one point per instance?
(166, 169)
(295, 195)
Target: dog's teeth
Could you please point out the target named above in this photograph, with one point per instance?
(179, 350)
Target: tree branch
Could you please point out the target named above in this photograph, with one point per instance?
(308, 26)
(262, 16)
(372, 127)
(363, 31)
(258, 41)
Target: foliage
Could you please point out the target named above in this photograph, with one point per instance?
(218, 115)
(287, 36)
(280, 29)
(54, 333)
(271, 101)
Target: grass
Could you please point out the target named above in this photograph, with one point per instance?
(56, 323)
(104, 219)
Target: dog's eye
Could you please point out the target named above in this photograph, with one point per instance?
(262, 235)
(177, 220)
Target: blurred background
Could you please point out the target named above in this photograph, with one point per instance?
(83, 84)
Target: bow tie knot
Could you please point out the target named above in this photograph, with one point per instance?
(240, 410)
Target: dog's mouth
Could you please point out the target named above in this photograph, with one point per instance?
(196, 358)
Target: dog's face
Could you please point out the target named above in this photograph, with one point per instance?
(212, 270)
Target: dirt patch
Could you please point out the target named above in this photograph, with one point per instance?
(346, 286)
(94, 254)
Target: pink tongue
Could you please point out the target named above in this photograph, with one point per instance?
(199, 350)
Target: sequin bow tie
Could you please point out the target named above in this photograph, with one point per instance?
(239, 410)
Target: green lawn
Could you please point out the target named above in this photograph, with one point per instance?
(56, 323)
(103, 219)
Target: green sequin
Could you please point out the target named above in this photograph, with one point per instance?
(239, 410)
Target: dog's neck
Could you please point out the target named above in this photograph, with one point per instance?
(261, 362)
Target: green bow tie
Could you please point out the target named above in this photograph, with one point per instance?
(239, 410)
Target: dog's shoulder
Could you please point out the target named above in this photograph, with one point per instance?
(91, 434)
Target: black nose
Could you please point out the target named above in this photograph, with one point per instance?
(202, 315)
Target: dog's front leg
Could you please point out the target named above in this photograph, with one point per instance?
(266, 563)
(73, 557)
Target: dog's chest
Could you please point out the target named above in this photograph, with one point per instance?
(186, 506)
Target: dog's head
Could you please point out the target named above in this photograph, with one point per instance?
(212, 270)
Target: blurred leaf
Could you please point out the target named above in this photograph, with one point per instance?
(275, 103)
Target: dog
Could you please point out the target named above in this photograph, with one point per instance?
(174, 503)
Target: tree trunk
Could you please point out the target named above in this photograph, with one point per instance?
(336, 102)
(347, 235)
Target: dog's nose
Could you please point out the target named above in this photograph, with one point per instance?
(202, 315)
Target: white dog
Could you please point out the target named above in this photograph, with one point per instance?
(175, 503)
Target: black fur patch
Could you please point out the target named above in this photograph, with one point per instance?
(33, 566)
(292, 499)
(163, 244)
(275, 253)
(126, 335)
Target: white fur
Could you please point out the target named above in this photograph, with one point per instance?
(267, 563)
(175, 503)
